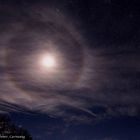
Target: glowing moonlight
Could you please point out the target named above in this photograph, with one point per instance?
(48, 61)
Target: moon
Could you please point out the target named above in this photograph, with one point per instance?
(48, 61)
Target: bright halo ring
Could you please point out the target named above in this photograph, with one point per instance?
(51, 58)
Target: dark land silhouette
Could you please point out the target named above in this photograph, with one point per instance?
(9, 131)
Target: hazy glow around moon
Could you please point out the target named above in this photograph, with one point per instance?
(48, 61)
(52, 58)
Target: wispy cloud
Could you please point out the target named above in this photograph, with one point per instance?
(109, 77)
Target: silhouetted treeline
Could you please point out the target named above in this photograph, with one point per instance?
(10, 131)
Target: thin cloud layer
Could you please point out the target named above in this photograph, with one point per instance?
(98, 81)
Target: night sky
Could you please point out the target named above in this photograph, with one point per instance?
(70, 69)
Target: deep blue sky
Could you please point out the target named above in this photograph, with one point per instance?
(42, 127)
